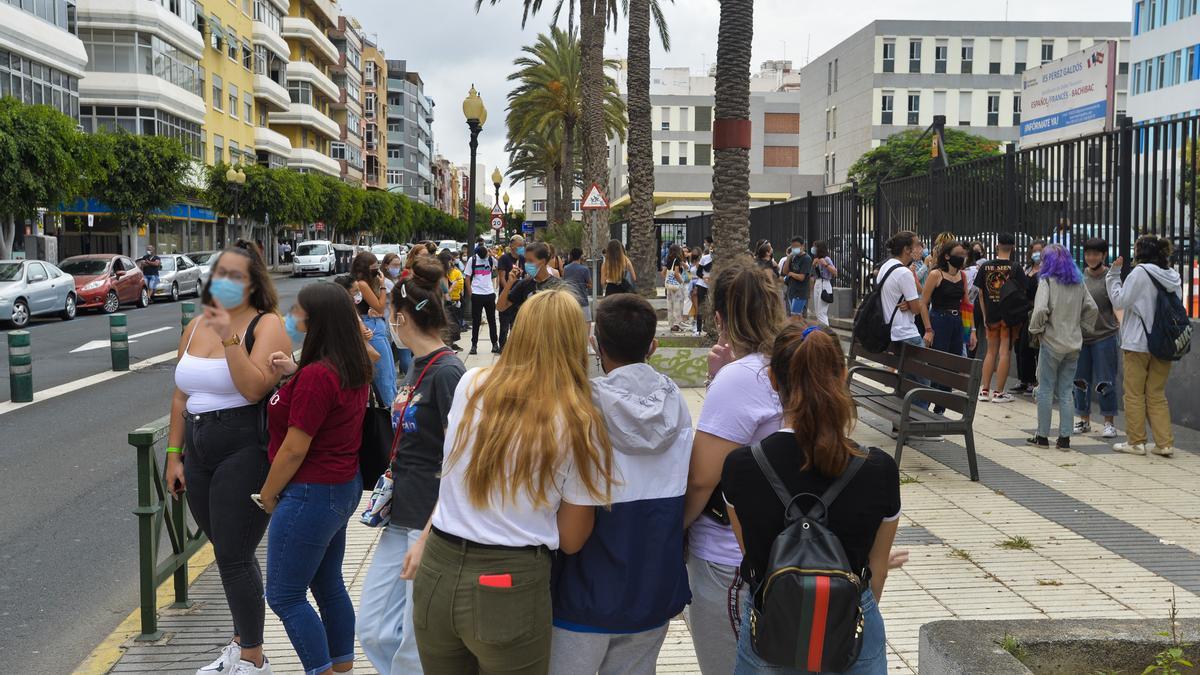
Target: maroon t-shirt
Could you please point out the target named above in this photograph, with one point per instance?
(314, 402)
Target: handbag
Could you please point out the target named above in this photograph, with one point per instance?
(826, 292)
(376, 434)
(379, 507)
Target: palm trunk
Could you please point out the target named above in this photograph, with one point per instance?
(593, 15)
(642, 248)
(8, 232)
(553, 180)
(566, 182)
(731, 131)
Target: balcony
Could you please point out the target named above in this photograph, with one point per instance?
(136, 89)
(307, 158)
(304, 115)
(25, 33)
(328, 10)
(266, 89)
(272, 142)
(263, 35)
(307, 72)
(298, 28)
(141, 15)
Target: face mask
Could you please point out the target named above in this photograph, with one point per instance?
(531, 269)
(231, 294)
(293, 330)
(1036, 257)
(393, 272)
(1097, 266)
(520, 250)
(358, 297)
(812, 251)
(149, 252)
(956, 261)
(796, 250)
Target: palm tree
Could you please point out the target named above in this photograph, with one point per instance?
(535, 157)
(731, 130)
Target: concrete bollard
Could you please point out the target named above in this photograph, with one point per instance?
(189, 313)
(20, 367)
(118, 335)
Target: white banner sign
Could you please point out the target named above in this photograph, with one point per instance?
(1070, 97)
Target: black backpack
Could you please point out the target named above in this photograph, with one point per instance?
(807, 613)
(1170, 337)
(870, 328)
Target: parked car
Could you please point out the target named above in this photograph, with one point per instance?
(179, 275)
(203, 260)
(313, 257)
(454, 246)
(381, 250)
(31, 288)
(106, 281)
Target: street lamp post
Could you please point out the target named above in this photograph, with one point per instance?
(237, 180)
(476, 114)
(507, 213)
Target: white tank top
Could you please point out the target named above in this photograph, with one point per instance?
(207, 382)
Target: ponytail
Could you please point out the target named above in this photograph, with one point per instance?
(809, 372)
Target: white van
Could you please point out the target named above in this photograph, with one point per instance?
(313, 257)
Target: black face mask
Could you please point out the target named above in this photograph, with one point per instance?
(956, 261)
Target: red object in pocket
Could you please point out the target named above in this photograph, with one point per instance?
(496, 580)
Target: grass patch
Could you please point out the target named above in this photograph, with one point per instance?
(1013, 646)
(907, 479)
(1015, 544)
(1049, 582)
(961, 555)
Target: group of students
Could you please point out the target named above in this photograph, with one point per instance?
(538, 518)
(1075, 322)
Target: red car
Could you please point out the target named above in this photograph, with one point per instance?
(106, 281)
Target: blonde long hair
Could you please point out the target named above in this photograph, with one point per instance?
(532, 401)
(612, 270)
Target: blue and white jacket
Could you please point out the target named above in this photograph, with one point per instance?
(630, 575)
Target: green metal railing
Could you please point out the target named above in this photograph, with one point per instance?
(158, 509)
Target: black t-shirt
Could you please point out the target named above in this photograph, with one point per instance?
(418, 466)
(872, 496)
(799, 264)
(524, 289)
(507, 262)
(151, 264)
(991, 278)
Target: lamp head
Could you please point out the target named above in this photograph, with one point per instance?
(235, 175)
(506, 199)
(497, 178)
(473, 108)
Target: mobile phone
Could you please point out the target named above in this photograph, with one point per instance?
(257, 499)
(496, 580)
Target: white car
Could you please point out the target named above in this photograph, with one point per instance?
(454, 246)
(203, 260)
(313, 257)
(32, 287)
(380, 250)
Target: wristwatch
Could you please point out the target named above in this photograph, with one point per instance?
(233, 341)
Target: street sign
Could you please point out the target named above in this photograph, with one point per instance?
(497, 211)
(320, 227)
(497, 223)
(594, 200)
(527, 227)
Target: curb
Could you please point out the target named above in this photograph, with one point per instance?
(109, 651)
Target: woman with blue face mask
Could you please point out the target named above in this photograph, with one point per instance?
(368, 279)
(217, 446)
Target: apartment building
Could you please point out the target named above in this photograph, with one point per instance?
(1165, 53)
(445, 177)
(347, 109)
(374, 115)
(681, 118)
(307, 122)
(226, 77)
(536, 200)
(410, 134)
(896, 75)
(271, 56)
(41, 55)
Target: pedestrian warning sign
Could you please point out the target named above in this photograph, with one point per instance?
(594, 200)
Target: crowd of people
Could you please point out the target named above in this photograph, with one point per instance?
(537, 520)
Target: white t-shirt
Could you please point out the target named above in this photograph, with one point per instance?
(514, 523)
(481, 270)
(900, 286)
(705, 261)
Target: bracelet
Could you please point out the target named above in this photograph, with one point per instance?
(174, 451)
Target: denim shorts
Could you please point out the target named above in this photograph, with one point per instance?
(872, 658)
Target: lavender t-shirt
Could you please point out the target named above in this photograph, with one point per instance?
(740, 407)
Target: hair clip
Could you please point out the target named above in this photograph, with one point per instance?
(420, 305)
(807, 331)
(403, 292)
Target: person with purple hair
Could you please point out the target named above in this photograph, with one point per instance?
(1062, 307)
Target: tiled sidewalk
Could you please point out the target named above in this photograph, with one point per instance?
(1044, 534)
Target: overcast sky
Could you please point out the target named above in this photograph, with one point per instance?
(452, 47)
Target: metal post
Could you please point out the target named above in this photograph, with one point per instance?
(937, 174)
(1010, 188)
(148, 511)
(188, 310)
(475, 127)
(118, 337)
(20, 367)
(1125, 194)
(810, 218)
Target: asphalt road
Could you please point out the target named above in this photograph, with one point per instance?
(68, 538)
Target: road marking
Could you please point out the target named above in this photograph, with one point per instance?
(149, 332)
(70, 387)
(101, 344)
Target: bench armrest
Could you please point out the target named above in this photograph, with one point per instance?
(935, 396)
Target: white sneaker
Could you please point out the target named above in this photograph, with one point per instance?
(984, 395)
(1130, 448)
(230, 655)
(1109, 431)
(1168, 451)
(244, 667)
(1002, 397)
(1082, 427)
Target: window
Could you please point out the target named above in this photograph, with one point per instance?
(703, 154)
(703, 118)
(994, 57)
(199, 78)
(666, 119)
(218, 96)
(369, 109)
(235, 152)
(576, 205)
(247, 56)
(300, 92)
(1137, 86)
(828, 123)
(218, 149)
(941, 53)
(138, 52)
(1022, 53)
(395, 153)
(683, 119)
(914, 56)
(233, 101)
(885, 108)
(539, 206)
(833, 126)
(835, 74)
(231, 44)
(248, 106)
(666, 154)
(889, 56)
(965, 102)
(829, 78)
(914, 108)
(968, 56)
(369, 74)
(1016, 109)
(1047, 52)
(683, 154)
(395, 177)
(993, 110)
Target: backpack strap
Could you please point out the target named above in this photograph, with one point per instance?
(880, 288)
(786, 496)
(248, 340)
(827, 499)
(768, 472)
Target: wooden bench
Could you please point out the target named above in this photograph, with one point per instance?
(893, 398)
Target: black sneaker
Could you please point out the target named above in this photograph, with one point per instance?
(473, 351)
(495, 350)
(1064, 443)
(1020, 389)
(1038, 442)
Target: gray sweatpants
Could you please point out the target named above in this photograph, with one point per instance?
(573, 653)
(713, 626)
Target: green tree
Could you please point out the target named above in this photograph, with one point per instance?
(907, 154)
(731, 165)
(341, 207)
(537, 156)
(43, 162)
(141, 174)
(1189, 186)
(378, 213)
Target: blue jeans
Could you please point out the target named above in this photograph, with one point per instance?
(404, 361)
(152, 282)
(305, 546)
(1056, 375)
(384, 379)
(796, 306)
(872, 659)
(385, 621)
(947, 337)
(1097, 370)
(919, 342)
